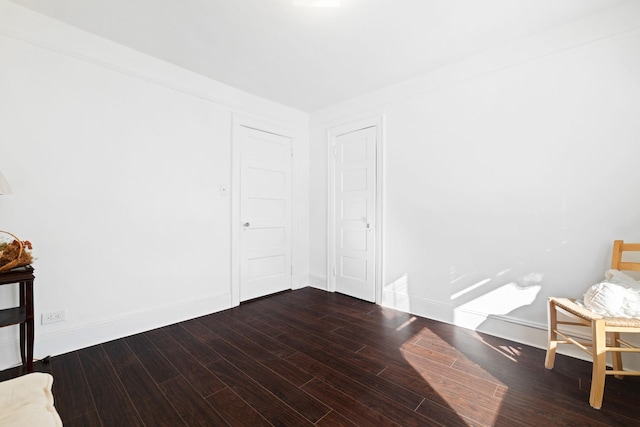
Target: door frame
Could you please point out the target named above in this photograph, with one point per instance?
(263, 125)
(332, 134)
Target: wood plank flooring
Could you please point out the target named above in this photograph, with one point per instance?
(309, 357)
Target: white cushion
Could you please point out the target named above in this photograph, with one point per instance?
(605, 298)
(617, 296)
(28, 401)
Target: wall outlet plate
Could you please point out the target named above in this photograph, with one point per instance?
(54, 316)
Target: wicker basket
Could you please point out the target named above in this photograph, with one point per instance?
(15, 254)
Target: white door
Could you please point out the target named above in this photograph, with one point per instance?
(355, 216)
(265, 213)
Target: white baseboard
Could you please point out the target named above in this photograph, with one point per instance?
(66, 340)
(318, 281)
(502, 326)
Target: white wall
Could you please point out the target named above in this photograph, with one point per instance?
(115, 160)
(507, 176)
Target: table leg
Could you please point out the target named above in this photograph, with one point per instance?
(22, 288)
(30, 325)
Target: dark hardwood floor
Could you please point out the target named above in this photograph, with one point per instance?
(308, 357)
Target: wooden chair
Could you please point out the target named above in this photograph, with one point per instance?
(601, 327)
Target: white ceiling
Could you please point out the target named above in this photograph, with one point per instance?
(311, 58)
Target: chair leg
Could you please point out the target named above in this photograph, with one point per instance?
(599, 364)
(616, 356)
(552, 336)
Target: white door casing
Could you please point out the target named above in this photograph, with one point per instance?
(263, 228)
(354, 213)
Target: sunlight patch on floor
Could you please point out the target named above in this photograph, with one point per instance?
(504, 350)
(439, 365)
(405, 324)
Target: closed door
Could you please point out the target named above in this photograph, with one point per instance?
(355, 216)
(265, 212)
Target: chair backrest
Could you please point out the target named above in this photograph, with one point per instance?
(616, 259)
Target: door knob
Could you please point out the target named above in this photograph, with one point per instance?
(246, 224)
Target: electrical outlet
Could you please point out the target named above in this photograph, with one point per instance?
(53, 316)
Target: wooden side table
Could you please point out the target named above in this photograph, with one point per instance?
(22, 314)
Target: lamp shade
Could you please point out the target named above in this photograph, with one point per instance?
(4, 185)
